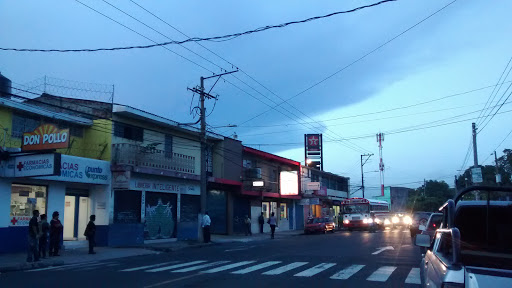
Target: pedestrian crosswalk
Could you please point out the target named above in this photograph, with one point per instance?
(331, 270)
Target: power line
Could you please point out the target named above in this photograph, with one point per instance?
(353, 62)
(488, 156)
(504, 101)
(197, 39)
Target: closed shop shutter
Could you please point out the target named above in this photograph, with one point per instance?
(160, 215)
(216, 203)
(241, 207)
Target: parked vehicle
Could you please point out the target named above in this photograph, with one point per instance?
(319, 225)
(418, 218)
(472, 246)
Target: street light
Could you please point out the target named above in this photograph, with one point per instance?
(309, 161)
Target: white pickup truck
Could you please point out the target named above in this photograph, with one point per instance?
(473, 247)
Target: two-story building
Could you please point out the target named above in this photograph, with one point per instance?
(52, 161)
(322, 192)
(270, 185)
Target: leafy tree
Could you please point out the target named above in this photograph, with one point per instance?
(489, 173)
(429, 197)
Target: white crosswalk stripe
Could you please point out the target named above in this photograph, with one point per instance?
(147, 266)
(83, 266)
(92, 268)
(285, 268)
(382, 274)
(256, 267)
(413, 277)
(315, 270)
(227, 267)
(58, 267)
(193, 268)
(347, 272)
(175, 266)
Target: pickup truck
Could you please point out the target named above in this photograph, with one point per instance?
(473, 247)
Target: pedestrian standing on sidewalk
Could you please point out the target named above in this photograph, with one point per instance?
(272, 221)
(44, 227)
(261, 221)
(247, 225)
(55, 234)
(33, 236)
(206, 227)
(90, 234)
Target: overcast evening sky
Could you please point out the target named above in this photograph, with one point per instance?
(464, 47)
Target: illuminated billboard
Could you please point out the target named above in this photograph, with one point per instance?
(289, 183)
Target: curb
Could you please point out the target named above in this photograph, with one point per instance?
(29, 266)
(174, 249)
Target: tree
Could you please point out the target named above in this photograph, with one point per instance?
(489, 173)
(429, 197)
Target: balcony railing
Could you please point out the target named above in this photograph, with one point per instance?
(140, 156)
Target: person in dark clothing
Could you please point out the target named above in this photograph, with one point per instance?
(43, 240)
(247, 225)
(33, 236)
(55, 234)
(261, 221)
(90, 233)
(272, 221)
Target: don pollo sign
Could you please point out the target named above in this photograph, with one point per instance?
(45, 137)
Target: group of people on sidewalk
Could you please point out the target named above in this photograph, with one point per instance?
(43, 235)
(272, 221)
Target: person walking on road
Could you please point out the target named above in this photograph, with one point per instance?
(373, 225)
(33, 236)
(90, 233)
(247, 225)
(55, 233)
(44, 227)
(261, 221)
(272, 221)
(206, 227)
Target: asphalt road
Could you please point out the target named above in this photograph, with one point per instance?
(342, 259)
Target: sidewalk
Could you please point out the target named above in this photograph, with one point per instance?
(17, 262)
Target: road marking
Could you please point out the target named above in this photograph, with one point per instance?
(382, 274)
(188, 269)
(285, 268)
(227, 267)
(92, 268)
(347, 272)
(379, 250)
(175, 266)
(256, 267)
(83, 266)
(235, 249)
(315, 270)
(414, 276)
(148, 266)
(57, 267)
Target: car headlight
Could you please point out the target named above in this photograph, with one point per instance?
(395, 219)
(386, 222)
(407, 220)
(370, 220)
(346, 221)
(365, 221)
(377, 220)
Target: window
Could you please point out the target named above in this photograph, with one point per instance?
(325, 182)
(24, 200)
(314, 177)
(265, 208)
(284, 212)
(273, 175)
(247, 163)
(332, 184)
(168, 146)
(444, 248)
(21, 124)
(128, 132)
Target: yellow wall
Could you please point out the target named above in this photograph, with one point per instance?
(96, 142)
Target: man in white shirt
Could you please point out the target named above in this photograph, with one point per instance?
(206, 227)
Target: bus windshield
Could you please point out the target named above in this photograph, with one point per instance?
(356, 208)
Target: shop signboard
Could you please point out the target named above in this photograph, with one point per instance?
(36, 165)
(289, 183)
(45, 137)
(19, 220)
(160, 185)
(304, 201)
(121, 179)
(82, 170)
(313, 186)
(314, 201)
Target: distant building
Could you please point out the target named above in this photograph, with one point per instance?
(396, 197)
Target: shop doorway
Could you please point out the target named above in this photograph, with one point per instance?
(76, 215)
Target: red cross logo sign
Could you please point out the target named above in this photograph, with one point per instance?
(14, 221)
(20, 166)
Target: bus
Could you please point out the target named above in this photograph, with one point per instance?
(356, 213)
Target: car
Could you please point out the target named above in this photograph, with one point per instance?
(434, 222)
(472, 246)
(323, 225)
(418, 219)
(401, 219)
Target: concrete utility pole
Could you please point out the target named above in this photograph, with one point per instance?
(362, 172)
(475, 155)
(498, 175)
(202, 96)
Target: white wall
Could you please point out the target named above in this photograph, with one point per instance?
(56, 196)
(100, 201)
(5, 202)
(255, 213)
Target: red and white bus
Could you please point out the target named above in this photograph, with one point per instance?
(356, 213)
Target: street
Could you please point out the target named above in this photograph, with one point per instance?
(348, 259)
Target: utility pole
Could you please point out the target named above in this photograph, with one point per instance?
(362, 172)
(498, 175)
(202, 96)
(424, 187)
(475, 156)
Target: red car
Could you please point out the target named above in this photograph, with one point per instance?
(319, 225)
